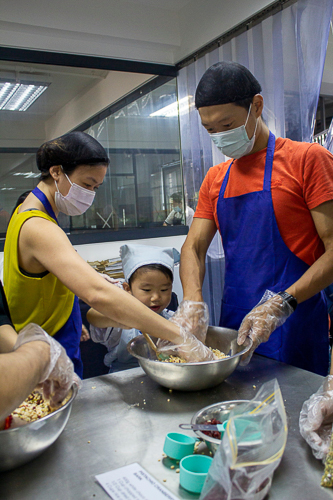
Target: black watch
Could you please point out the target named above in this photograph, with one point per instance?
(292, 301)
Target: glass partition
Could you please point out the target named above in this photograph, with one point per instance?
(143, 143)
(140, 132)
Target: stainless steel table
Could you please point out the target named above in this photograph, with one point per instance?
(122, 418)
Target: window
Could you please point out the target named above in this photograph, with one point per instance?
(140, 133)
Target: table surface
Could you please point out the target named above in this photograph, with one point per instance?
(123, 418)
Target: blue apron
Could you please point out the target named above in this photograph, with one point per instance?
(70, 334)
(257, 259)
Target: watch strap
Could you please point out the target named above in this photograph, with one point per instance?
(287, 297)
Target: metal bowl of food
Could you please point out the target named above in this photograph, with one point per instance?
(22, 444)
(220, 412)
(192, 376)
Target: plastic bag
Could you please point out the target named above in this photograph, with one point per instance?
(316, 418)
(245, 461)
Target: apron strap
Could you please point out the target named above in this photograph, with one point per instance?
(43, 199)
(269, 162)
(268, 167)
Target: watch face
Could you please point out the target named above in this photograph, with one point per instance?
(289, 298)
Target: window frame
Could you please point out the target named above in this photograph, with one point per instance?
(163, 72)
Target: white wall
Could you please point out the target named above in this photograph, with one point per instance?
(155, 31)
(110, 250)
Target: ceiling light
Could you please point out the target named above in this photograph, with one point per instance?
(19, 96)
(28, 175)
(172, 109)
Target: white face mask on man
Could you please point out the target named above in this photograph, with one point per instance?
(76, 202)
(235, 143)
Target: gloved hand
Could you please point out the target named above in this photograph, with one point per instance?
(193, 317)
(59, 375)
(271, 312)
(316, 418)
(118, 282)
(189, 348)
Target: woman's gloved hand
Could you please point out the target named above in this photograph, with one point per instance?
(189, 348)
(316, 418)
(193, 317)
(58, 375)
(271, 312)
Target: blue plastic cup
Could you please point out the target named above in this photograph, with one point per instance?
(178, 445)
(193, 472)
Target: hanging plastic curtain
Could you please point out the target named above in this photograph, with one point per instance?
(286, 53)
(328, 144)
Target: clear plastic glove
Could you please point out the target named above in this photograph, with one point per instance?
(113, 281)
(316, 418)
(190, 348)
(59, 375)
(271, 312)
(193, 317)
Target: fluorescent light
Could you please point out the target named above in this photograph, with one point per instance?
(7, 189)
(19, 96)
(172, 109)
(27, 175)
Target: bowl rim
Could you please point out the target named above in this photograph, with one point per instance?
(74, 389)
(248, 341)
(209, 438)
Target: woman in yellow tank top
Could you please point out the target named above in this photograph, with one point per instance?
(44, 275)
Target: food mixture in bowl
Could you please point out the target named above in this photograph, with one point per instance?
(33, 408)
(178, 359)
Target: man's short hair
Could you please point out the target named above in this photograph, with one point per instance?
(226, 82)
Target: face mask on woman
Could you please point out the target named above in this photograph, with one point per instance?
(235, 143)
(76, 202)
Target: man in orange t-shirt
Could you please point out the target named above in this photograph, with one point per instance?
(273, 205)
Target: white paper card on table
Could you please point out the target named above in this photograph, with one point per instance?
(132, 482)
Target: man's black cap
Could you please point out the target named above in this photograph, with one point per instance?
(226, 82)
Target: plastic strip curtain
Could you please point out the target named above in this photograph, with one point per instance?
(286, 52)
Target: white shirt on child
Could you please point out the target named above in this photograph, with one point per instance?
(116, 340)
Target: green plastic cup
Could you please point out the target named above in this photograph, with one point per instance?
(178, 445)
(193, 472)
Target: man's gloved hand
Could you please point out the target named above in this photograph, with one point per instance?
(316, 418)
(271, 312)
(193, 317)
(58, 375)
(189, 348)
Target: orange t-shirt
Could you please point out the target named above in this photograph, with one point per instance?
(302, 179)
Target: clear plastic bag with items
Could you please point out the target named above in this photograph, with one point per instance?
(251, 449)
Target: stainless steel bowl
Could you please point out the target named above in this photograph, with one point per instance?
(192, 376)
(19, 446)
(221, 412)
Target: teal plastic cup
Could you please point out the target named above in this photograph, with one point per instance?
(193, 472)
(178, 445)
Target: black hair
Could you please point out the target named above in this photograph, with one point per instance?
(227, 82)
(70, 151)
(177, 197)
(20, 200)
(152, 267)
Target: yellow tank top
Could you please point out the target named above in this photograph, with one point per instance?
(41, 299)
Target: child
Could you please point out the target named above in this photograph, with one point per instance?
(148, 275)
